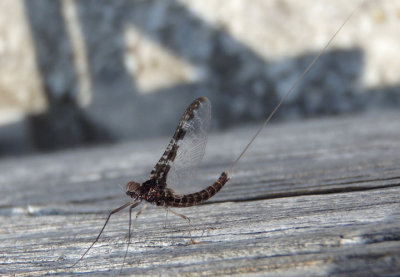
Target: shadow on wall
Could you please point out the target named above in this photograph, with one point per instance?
(65, 123)
(243, 87)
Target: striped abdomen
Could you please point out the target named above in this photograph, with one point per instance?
(192, 199)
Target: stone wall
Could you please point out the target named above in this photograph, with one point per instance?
(81, 72)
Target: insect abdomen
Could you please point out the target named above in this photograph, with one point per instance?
(187, 200)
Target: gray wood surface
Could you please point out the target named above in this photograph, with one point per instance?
(315, 197)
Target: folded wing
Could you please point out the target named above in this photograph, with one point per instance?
(186, 149)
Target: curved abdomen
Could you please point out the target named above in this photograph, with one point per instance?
(187, 200)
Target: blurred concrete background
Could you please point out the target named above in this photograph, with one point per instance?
(76, 72)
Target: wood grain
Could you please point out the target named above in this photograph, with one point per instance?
(315, 197)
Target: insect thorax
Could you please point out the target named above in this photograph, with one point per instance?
(150, 191)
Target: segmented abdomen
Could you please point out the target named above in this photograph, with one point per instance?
(187, 200)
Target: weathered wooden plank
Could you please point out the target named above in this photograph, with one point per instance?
(312, 197)
(327, 154)
(309, 233)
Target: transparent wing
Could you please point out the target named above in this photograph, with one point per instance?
(178, 165)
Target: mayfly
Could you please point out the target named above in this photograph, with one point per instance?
(189, 140)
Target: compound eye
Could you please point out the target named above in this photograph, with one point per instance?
(131, 187)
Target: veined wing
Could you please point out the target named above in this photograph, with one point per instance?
(187, 146)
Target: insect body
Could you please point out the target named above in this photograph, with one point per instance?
(153, 192)
(181, 157)
(185, 149)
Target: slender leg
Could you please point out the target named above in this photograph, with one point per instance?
(102, 229)
(192, 241)
(166, 217)
(129, 232)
